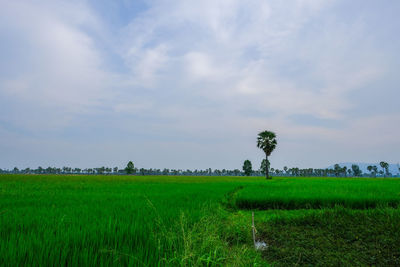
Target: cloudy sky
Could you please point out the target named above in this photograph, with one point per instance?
(189, 84)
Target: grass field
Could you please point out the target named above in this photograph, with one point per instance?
(317, 193)
(48, 220)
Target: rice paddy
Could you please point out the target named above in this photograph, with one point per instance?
(59, 220)
(320, 193)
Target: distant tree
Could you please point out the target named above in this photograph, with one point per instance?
(375, 170)
(337, 169)
(370, 168)
(247, 168)
(130, 168)
(263, 166)
(115, 169)
(285, 169)
(40, 169)
(49, 170)
(356, 170)
(101, 170)
(266, 141)
(344, 170)
(385, 167)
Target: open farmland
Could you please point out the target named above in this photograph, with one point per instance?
(50, 220)
(320, 193)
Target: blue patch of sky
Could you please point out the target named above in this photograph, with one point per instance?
(251, 53)
(13, 50)
(257, 113)
(380, 20)
(114, 15)
(310, 120)
(12, 128)
(380, 97)
(119, 13)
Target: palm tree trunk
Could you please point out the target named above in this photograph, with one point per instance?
(266, 168)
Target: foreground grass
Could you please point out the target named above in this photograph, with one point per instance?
(49, 220)
(114, 220)
(333, 237)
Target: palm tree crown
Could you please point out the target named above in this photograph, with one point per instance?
(266, 140)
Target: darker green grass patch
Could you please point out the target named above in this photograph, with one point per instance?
(337, 237)
(314, 203)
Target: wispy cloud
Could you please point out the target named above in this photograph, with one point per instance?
(190, 78)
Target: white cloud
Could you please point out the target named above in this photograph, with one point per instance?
(246, 48)
(64, 69)
(147, 64)
(200, 70)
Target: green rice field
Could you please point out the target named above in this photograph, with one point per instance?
(78, 220)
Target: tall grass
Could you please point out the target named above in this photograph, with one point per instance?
(333, 237)
(50, 220)
(79, 220)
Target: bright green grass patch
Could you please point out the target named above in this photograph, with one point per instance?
(58, 220)
(300, 193)
(53, 220)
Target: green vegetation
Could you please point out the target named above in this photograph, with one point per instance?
(356, 170)
(247, 168)
(385, 167)
(308, 193)
(115, 220)
(333, 237)
(130, 168)
(266, 141)
(196, 221)
(336, 171)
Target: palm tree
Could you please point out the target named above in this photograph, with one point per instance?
(385, 166)
(375, 170)
(266, 141)
(370, 169)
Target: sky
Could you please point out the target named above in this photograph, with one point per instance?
(189, 84)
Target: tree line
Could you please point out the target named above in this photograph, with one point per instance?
(266, 141)
(382, 170)
(336, 171)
